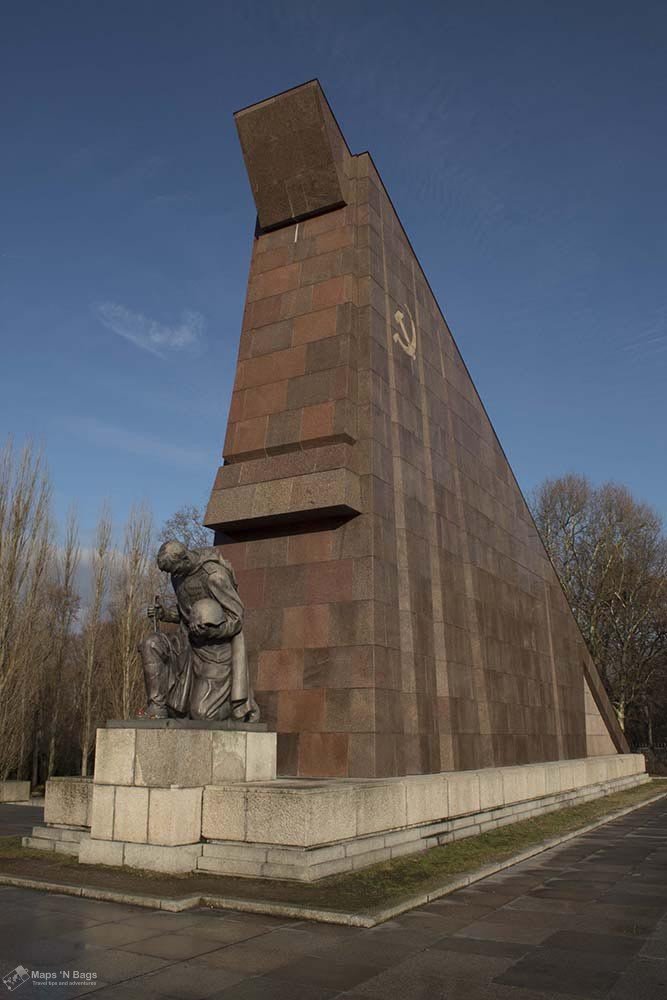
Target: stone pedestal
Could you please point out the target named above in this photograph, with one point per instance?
(67, 816)
(298, 829)
(68, 801)
(149, 781)
(305, 830)
(14, 791)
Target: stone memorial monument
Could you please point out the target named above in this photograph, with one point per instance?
(201, 672)
(402, 613)
(419, 672)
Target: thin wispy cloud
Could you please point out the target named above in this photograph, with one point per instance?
(149, 334)
(652, 339)
(134, 442)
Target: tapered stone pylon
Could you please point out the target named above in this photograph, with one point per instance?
(402, 614)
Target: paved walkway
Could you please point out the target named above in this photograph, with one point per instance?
(588, 920)
(18, 820)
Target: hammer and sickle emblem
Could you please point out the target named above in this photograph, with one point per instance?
(408, 344)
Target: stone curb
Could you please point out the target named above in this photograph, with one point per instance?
(300, 912)
(106, 895)
(295, 911)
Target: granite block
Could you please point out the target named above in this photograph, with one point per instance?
(175, 816)
(68, 800)
(130, 821)
(103, 810)
(14, 791)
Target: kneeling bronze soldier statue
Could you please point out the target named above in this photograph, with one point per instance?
(201, 670)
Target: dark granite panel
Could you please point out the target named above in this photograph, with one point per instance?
(294, 156)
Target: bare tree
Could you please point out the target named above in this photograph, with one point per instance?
(64, 668)
(131, 594)
(25, 555)
(89, 684)
(64, 608)
(187, 525)
(611, 555)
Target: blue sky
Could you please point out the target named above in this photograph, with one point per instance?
(524, 146)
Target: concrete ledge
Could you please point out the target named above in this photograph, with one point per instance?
(332, 492)
(308, 813)
(307, 830)
(300, 829)
(308, 864)
(14, 791)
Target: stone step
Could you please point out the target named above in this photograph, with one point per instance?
(60, 833)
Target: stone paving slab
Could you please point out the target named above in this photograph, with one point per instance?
(18, 820)
(577, 924)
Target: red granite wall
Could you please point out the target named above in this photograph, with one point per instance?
(402, 615)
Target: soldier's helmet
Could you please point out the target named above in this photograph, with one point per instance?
(206, 612)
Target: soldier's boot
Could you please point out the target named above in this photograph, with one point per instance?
(154, 650)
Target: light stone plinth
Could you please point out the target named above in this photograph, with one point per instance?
(147, 793)
(67, 816)
(309, 864)
(308, 813)
(14, 791)
(309, 829)
(68, 801)
(319, 859)
(160, 758)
